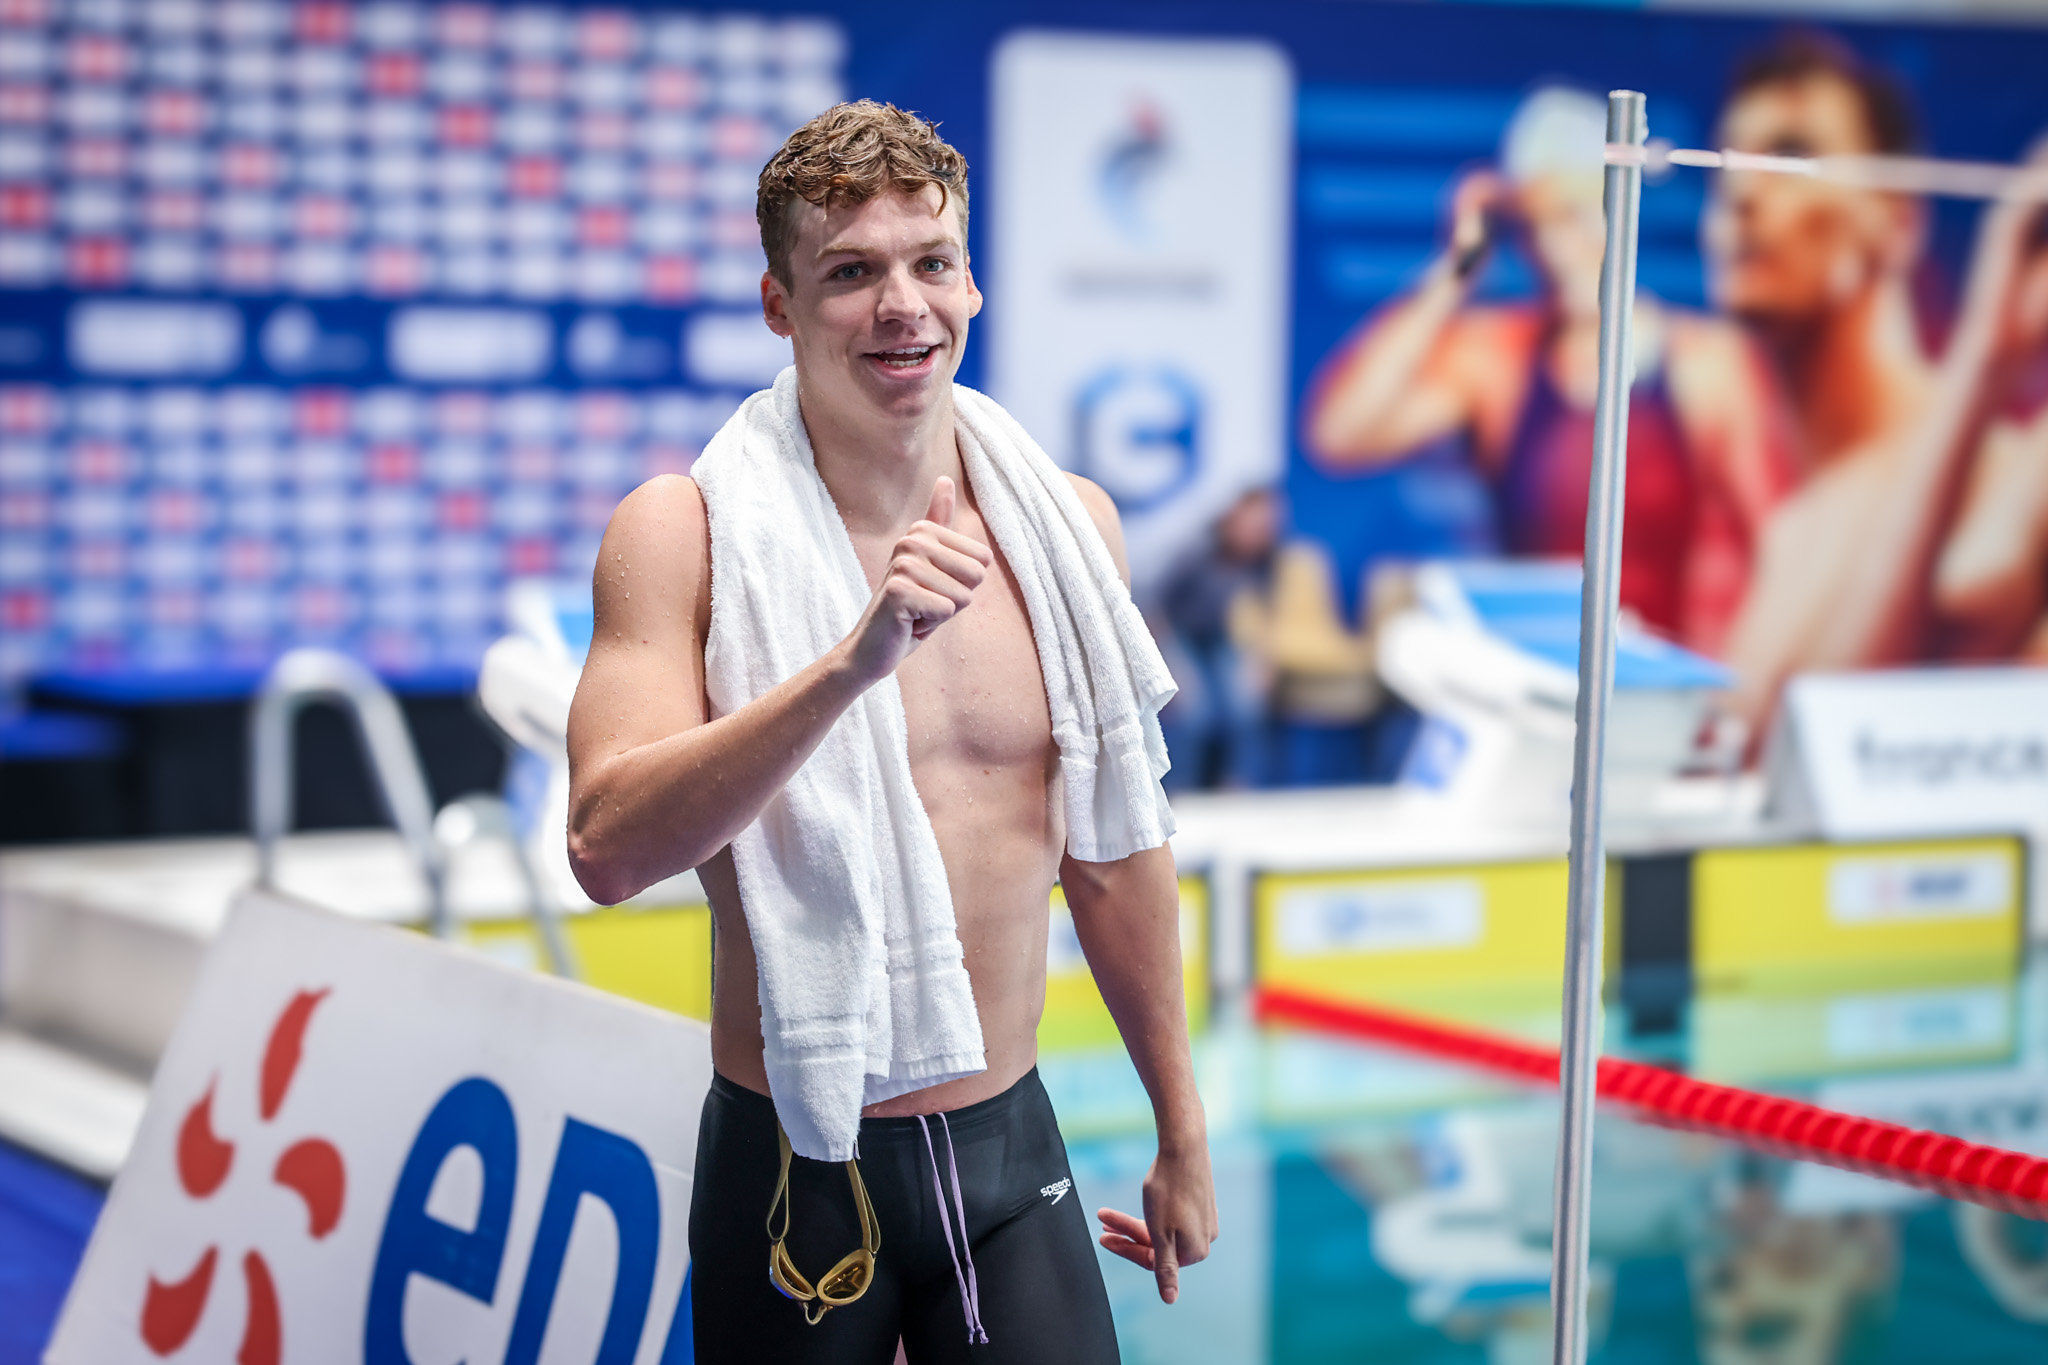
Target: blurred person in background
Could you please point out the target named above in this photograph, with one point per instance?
(1920, 528)
(1517, 383)
(1216, 725)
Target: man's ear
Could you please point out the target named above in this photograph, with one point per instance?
(973, 294)
(775, 304)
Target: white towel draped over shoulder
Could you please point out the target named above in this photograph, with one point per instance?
(863, 991)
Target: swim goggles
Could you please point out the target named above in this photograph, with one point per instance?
(843, 1283)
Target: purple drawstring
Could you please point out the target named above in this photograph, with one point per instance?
(959, 1204)
(970, 1290)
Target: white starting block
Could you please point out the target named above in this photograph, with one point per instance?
(1489, 652)
(365, 1144)
(525, 684)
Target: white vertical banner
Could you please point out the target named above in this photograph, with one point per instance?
(1139, 294)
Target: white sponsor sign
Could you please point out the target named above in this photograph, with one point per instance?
(365, 1145)
(1140, 243)
(1381, 918)
(122, 336)
(733, 348)
(1923, 751)
(470, 345)
(1897, 889)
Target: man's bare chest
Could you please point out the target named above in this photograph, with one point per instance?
(973, 691)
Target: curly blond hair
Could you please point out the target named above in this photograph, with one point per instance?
(848, 155)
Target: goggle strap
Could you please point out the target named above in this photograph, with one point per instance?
(782, 1196)
(814, 1303)
(870, 1226)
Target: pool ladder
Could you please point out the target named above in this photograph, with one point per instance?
(307, 676)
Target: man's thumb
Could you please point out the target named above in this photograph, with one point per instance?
(941, 509)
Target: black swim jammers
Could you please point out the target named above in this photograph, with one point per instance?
(1021, 1284)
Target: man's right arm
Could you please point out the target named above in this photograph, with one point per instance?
(654, 787)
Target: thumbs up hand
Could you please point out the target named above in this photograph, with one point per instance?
(931, 577)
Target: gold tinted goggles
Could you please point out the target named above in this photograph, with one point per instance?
(844, 1282)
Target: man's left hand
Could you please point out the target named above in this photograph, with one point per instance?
(1179, 1223)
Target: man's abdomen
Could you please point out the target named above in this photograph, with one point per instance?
(1002, 888)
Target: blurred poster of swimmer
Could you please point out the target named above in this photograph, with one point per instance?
(1919, 530)
(1516, 382)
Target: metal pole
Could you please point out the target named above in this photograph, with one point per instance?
(1598, 600)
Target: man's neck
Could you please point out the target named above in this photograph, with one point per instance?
(879, 472)
(1854, 373)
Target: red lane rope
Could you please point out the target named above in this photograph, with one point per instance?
(1933, 1161)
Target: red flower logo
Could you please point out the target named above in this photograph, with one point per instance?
(311, 1168)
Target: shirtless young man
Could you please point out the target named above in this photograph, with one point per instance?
(863, 216)
(1920, 529)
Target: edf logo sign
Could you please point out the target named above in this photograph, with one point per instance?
(427, 1156)
(1138, 433)
(475, 1114)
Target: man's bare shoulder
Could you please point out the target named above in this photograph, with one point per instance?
(652, 566)
(663, 498)
(1102, 511)
(1101, 507)
(666, 512)
(658, 545)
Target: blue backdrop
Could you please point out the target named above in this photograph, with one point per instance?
(312, 478)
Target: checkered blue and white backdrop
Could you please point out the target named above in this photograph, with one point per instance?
(320, 321)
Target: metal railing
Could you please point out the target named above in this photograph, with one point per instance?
(306, 677)
(482, 817)
(300, 679)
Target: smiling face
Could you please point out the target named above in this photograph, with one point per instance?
(877, 304)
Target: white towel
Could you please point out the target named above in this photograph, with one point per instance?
(863, 992)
